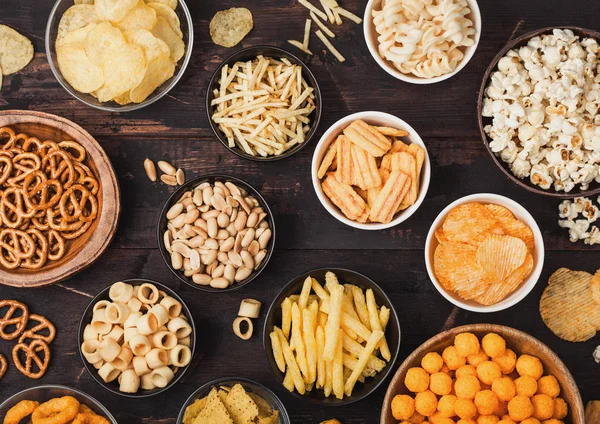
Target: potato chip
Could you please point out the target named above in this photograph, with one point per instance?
(123, 99)
(171, 3)
(123, 69)
(470, 223)
(169, 15)
(114, 10)
(499, 211)
(497, 291)
(500, 255)
(102, 40)
(79, 71)
(16, 51)
(140, 17)
(76, 17)
(595, 285)
(568, 308)
(229, 27)
(0, 78)
(76, 38)
(164, 31)
(158, 70)
(153, 47)
(456, 267)
(83, 1)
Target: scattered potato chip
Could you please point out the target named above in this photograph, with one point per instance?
(229, 27)
(567, 306)
(595, 284)
(16, 51)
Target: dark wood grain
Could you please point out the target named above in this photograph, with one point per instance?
(176, 128)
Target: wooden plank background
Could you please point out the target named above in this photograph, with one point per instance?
(176, 129)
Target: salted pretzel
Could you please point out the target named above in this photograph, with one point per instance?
(32, 359)
(35, 332)
(47, 196)
(9, 319)
(3, 366)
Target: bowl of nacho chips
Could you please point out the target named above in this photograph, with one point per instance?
(119, 56)
(233, 400)
(484, 252)
(371, 170)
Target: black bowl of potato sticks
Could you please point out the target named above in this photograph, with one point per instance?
(352, 344)
(263, 103)
(242, 237)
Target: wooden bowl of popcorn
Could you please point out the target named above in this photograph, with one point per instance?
(534, 124)
(429, 46)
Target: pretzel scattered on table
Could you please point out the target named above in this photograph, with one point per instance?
(47, 196)
(3, 366)
(9, 319)
(31, 351)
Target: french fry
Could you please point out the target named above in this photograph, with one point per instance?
(366, 166)
(331, 281)
(406, 163)
(299, 342)
(322, 319)
(363, 358)
(348, 14)
(332, 328)
(306, 287)
(384, 316)
(361, 307)
(286, 317)
(389, 198)
(328, 378)
(328, 159)
(306, 34)
(355, 326)
(344, 197)
(292, 365)
(348, 302)
(376, 324)
(314, 311)
(367, 138)
(354, 348)
(312, 8)
(351, 361)
(345, 164)
(320, 339)
(277, 352)
(322, 25)
(330, 46)
(288, 381)
(300, 46)
(308, 332)
(320, 291)
(338, 369)
(348, 309)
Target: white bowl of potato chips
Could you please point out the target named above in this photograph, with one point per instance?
(484, 252)
(122, 55)
(380, 176)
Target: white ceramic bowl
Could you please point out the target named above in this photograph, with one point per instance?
(373, 118)
(373, 45)
(538, 253)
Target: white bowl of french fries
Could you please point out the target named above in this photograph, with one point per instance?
(339, 305)
(371, 170)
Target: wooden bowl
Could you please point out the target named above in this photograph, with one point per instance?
(503, 166)
(520, 342)
(85, 249)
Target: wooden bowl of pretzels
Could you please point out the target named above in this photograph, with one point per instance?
(59, 199)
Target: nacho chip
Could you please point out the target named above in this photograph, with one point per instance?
(214, 411)
(498, 291)
(500, 255)
(192, 411)
(16, 51)
(158, 70)
(568, 308)
(76, 17)
(273, 419)
(240, 406)
(164, 31)
(456, 268)
(229, 27)
(470, 223)
(79, 71)
(114, 10)
(142, 16)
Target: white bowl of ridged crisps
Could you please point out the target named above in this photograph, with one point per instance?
(119, 55)
(371, 170)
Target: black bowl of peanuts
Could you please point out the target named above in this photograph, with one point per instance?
(216, 233)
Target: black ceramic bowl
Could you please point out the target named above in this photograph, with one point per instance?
(190, 185)
(392, 333)
(249, 385)
(114, 386)
(251, 53)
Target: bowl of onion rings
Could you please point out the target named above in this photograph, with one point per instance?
(63, 404)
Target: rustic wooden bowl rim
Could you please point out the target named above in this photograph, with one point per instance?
(496, 328)
(517, 42)
(104, 227)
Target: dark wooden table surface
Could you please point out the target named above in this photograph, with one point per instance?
(176, 128)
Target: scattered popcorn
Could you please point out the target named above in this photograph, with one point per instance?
(580, 229)
(543, 101)
(597, 354)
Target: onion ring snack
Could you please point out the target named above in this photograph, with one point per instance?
(48, 195)
(61, 410)
(138, 339)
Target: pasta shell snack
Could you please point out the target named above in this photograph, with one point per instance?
(137, 338)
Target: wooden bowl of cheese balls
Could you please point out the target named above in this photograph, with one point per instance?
(483, 370)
